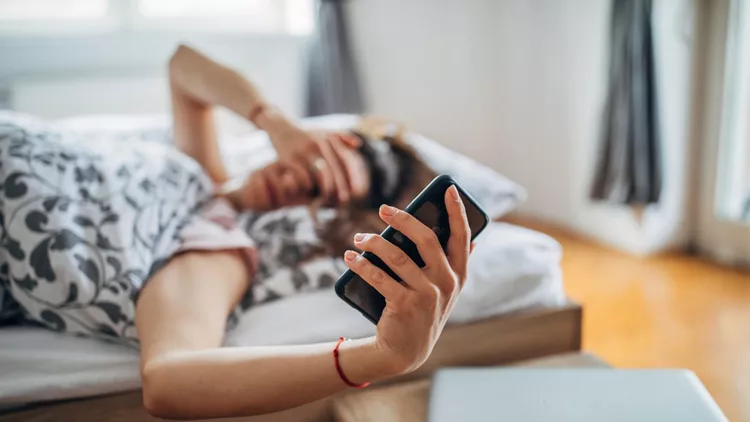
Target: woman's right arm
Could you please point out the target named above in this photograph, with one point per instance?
(181, 315)
(198, 83)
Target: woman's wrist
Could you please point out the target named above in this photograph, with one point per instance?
(271, 120)
(364, 361)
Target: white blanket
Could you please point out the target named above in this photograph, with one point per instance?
(512, 268)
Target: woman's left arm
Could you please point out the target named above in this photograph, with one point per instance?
(182, 312)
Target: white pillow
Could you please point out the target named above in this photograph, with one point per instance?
(497, 194)
(511, 268)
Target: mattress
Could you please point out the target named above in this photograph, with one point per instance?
(512, 268)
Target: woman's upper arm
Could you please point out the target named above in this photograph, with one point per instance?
(185, 305)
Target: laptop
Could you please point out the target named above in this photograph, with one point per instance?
(570, 394)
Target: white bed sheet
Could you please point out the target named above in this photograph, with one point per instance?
(512, 268)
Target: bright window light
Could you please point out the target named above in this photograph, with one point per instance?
(213, 8)
(24, 10)
(51, 17)
(290, 16)
(300, 16)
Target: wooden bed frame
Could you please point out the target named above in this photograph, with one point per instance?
(494, 341)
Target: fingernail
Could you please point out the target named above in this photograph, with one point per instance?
(350, 256)
(349, 139)
(359, 237)
(454, 192)
(355, 141)
(388, 210)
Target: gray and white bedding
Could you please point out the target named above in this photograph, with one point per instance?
(84, 224)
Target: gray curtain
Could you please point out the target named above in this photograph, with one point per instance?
(332, 83)
(629, 168)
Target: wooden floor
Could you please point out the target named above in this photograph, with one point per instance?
(667, 311)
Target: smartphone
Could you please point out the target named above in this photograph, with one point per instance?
(429, 208)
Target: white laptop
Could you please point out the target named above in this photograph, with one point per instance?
(570, 394)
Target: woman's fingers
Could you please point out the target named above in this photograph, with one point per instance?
(424, 238)
(458, 244)
(356, 178)
(337, 170)
(326, 186)
(393, 257)
(391, 289)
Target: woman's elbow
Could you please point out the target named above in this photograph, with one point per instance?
(174, 62)
(158, 399)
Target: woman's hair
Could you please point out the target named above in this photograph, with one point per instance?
(395, 183)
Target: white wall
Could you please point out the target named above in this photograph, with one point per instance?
(126, 72)
(519, 85)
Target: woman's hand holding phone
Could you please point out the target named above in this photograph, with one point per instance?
(416, 309)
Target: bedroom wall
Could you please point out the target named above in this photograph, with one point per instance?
(125, 72)
(519, 85)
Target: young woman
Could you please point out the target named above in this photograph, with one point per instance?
(182, 307)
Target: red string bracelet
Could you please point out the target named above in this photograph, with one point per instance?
(340, 371)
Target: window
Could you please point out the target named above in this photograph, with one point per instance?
(54, 17)
(24, 10)
(733, 178)
(198, 8)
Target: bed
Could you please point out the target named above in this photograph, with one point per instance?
(498, 340)
(530, 317)
(513, 307)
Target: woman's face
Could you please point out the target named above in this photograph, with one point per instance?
(276, 186)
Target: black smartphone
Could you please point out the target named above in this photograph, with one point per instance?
(429, 208)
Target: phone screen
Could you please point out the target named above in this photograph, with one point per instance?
(433, 214)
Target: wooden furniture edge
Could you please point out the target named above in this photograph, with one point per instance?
(526, 334)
